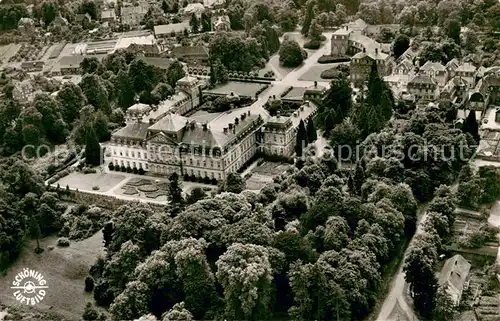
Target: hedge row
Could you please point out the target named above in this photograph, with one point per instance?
(327, 59)
(124, 169)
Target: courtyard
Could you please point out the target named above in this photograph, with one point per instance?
(242, 89)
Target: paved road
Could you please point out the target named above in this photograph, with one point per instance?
(396, 294)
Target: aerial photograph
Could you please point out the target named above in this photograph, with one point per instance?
(220, 160)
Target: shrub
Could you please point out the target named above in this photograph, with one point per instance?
(330, 73)
(88, 170)
(186, 177)
(95, 188)
(313, 44)
(129, 169)
(326, 59)
(206, 180)
(141, 171)
(214, 181)
(123, 168)
(89, 284)
(135, 170)
(52, 181)
(63, 242)
(111, 166)
(90, 314)
(103, 294)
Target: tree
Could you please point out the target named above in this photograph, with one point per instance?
(95, 91)
(125, 90)
(175, 190)
(301, 139)
(337, 103)
(290, 54)
(197, 194)
(401, 44)
(311, 131)
(194, 23)
(178, 313)
(308, 18)
(90, 314)
(165, 7)
(344, 138)
(452, 29)
(161, 92)
(72, 100)
(419, 272)
(443, 306)
(315, 31)
(91, 8)
(206, 22)
(245, 273)
(234, 183)
(91, 65)
(92, 148)
(175, 72)
(287, 19)
(49, 12)
(470, 126)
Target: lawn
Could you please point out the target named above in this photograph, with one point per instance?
(314, 73)
(263, 174)
(85, 182)
(246, 89)
(64, 269)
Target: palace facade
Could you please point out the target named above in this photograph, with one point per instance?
(159, 140)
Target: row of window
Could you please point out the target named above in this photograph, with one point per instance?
(131, 164)
(132, 154)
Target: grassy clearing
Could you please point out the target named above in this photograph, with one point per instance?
(64, 269)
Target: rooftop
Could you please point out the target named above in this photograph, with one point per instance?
(125, 42)
(296, 94)
(184, 51)
(466, 67)
(436, 66)
(173, 27)
(453, 276)
(422, 79)
(170, 123)
(133, 131)
(161, 63)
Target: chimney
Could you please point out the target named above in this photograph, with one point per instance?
(236, 121)
(278, 114)
(205, 127)
(230, 126)
(192, 125)
(151, 121)
(243, 116)
(376, 51)
(364, 50)
(315, 84)
(248, 112)
(346, 27)
(225, 130)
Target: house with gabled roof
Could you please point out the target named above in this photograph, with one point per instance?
(423, 87)
(435, 70)
(453, 277)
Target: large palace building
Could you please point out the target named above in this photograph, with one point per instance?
(206, 145)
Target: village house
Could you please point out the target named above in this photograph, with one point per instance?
(423, 87)
(133, 15)
(468, 72)
(197, 55)
(193, 8)
(453, 277)
(108, 16)
(222, 24)
(31, 66)
(361, 65)
(83, 19)
(26, 25)
(436, 71)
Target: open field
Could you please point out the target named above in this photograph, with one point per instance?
(64, 269)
